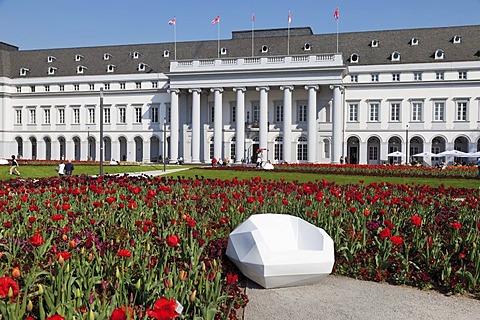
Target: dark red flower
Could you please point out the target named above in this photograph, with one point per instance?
(416, 220)
(66, 206)
(231, 279)
(385, 233)
(172, 241)
(56, 317)
(163, 309)
(31, 219)
(36, 240)
(65, 255)
(396, 240)
(124, 253)
(57, 217)
(455, 225)
(122, 313)
(7, 224)
(5, 284)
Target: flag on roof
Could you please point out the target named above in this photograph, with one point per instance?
(335, 14)
(172, 21)
(253, 16)
(289, 17)
(216, 20)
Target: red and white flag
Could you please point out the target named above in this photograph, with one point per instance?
(172, 21)
(253, 16)
(289, 17)
(335, 14)
(216, 20)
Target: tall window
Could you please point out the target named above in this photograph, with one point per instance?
(76, 116)
(374, 110)
(211, 148)
(106, 116)
(122, 115)
(439, 111)
(154, 114)
(61, 116)
(255, 112)
(18, 116)
(395, 112)
(417, 111)
(233, 112)
(373, 153)
(211, 112)
(461, 111)
(326, 150)
(302, 149)
(278, 149)
(91, 115)
(233, 149)
(138, 115)
(169, 112)
(302, 111)
(353, 112)
(278, 112)
(33, 116)
(46, 116)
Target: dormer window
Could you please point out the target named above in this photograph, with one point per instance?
(395, 56)
(457, 39)
(223, 51)
(264, 49)
(414, 42)
(142, 67)
(111, 68)
(374, 43)
(307, 47)
(107, 56)
(135, 55)
(78, 57)
(166, 53)
(50, 59)
(354, 58)
(24, 71)
(81, 69)
(51, 71)
(439, 54)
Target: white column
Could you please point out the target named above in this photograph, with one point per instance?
(312, 124)
(287, 123)
(174, 123)
(263, 128)
(217, 123)
(145, 148)
(55, 149)
(195, 124)
(337, 123)
(240, 125)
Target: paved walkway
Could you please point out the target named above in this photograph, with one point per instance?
(155, 172)
(338, 298)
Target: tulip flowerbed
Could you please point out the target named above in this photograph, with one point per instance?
(138, 248)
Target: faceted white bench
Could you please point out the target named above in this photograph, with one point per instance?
(279, 250)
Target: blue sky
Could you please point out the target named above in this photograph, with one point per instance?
(36, 24)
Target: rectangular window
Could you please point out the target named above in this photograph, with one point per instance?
(395, 112)
(76, 116)
(373, 112)
(122, 115)
(106, 86)
(91, 115)
(354, 78)
(278, 150)
(18, 116)
(461, 111)
(47, 88)
(417, 76)
(255, 112)
(138, 115)
(395, 76)
(46, 116)
(33, 116)
(154, 114)
(439, 111)
(32, 88)
(439, 75)
(233, 151)
(169, 112)
(302, 151)
(122, 85)
(353, 112)
(278, 112)
(211, 112)
(92, 86)
(154, 84)
(417, 111)
(233, 112)
(61, 116)
(462, 75)
(373, 153)
(302, 112)
(76, 87)
(138, 85)
(19, 89)
(106, 116)
(375, 77)
(61, 87)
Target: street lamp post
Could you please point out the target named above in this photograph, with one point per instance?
(101, 131)
(245, 160)
(88, 143)
(406, 146)
(164, 143)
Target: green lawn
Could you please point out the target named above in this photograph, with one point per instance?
(49, 171)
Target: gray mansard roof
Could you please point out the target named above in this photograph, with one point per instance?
(429, 40)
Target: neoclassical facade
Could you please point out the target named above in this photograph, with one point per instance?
(412, 91)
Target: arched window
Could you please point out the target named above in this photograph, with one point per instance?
(302, 149)
(278, 149)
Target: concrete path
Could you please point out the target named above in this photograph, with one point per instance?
(338, 298)
(155, 172)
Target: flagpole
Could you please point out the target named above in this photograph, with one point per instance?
(288, 33)
(337, 27)
(175, 37)
(218, 40)
(253, 33)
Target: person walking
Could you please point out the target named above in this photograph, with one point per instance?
(69, 168)
(14, 165)
(478, 164)
(61, 169)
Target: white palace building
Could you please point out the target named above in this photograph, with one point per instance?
(415, 90)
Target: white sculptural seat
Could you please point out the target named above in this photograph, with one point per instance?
(278, 250)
